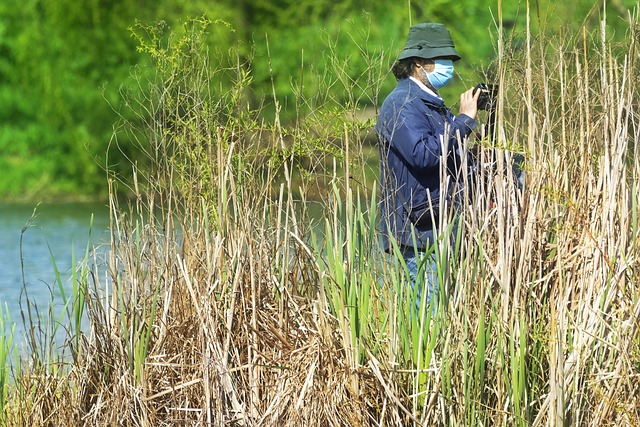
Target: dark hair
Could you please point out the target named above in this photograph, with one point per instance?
(404, 67)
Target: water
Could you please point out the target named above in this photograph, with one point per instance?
(55, 233)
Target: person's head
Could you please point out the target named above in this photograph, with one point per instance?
(429, 49)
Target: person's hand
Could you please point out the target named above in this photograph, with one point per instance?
(469, 103)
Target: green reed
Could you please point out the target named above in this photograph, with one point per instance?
(7, 356)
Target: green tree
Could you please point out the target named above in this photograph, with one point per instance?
(55, 120)
(63, 65)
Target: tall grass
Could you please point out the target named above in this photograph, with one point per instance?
(228, 301)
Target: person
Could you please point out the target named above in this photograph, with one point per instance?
(416, 132)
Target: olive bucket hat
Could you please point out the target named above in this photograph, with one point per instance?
(429, 40)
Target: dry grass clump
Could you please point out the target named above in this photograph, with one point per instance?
(226, 344)
(222, 302)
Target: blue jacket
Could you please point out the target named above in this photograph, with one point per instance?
(411, 125)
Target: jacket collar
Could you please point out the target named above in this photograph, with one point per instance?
(426, 96)
(423, 87)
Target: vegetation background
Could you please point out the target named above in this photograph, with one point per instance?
(64, 65)
(223, 299)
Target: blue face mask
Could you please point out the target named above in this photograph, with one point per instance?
(442, 73)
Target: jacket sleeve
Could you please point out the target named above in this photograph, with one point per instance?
(463, 124)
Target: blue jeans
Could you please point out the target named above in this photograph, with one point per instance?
(423, 274)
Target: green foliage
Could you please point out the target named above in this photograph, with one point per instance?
(187, 105)
(58, 56)
(63, 65)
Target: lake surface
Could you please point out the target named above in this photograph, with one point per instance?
(55, 233)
